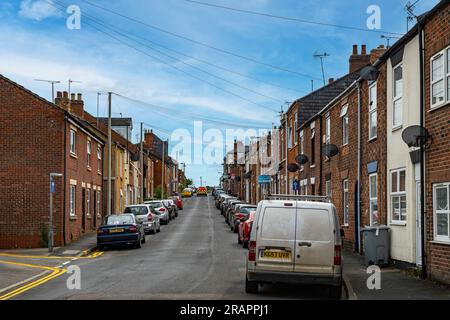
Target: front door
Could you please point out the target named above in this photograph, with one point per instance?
(95, 209)
(83, 210)
(418, 226)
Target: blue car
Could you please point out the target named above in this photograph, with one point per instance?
(120, 229)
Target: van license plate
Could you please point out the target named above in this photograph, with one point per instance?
(272, 254)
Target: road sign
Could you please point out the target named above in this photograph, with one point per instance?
(52, 187)
(263, 179)
(295, 185)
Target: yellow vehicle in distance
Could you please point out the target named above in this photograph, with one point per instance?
(187, 193)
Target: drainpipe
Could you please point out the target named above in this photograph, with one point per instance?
(320, 154)
(358, 199)
(422, 157)
(65, 181)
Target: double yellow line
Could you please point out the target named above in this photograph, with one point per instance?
(56, 272)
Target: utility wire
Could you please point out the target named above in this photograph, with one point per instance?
(168, 64)
(201, 43)
(189, 115)
(123, 33)
(268, 15)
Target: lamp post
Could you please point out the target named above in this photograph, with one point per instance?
(50, 227)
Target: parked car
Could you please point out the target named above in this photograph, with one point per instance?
(201, 191)
(171, 207)
(146, 215)
(219, 199)
(174, 206)
(161, 211)
(216, 191)
(295, 241)
(120, 229)
(224, 204)
(241, 212)
(230, 209)
(186, 193)
(178, 201)
(244, 229)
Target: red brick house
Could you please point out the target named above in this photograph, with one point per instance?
(436, 28)
(39, 138)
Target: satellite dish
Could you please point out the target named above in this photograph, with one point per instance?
(369, 73)
(415, 135)
(292, 167)
(238, 178)
(135, 157)
(248, 175)
(301, 159)
(330, 150)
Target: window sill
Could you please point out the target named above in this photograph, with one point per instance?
(441, 242)
(346, 225)
(396, 128)
(99, 173)
(72, 218)
(439, 106)
(372, 139)
(73, 155)
(89, 168)
(398, 223)
(89, 217)
(312, 166)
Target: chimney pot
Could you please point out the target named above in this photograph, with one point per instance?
(331, 80)
(72, 96)
(79, 97)
(59, 94)
(363, 49)
(65, 94)
(355, 49)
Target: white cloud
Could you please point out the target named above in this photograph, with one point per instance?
(37, 10)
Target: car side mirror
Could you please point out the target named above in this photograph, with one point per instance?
(342, 233)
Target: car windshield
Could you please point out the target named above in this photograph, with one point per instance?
(136, 210)
(119, 219)
(246, 210)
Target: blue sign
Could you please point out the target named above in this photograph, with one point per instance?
(295, 185)
(52, 187)
(263, 179)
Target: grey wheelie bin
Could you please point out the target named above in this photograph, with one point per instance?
(376, 245)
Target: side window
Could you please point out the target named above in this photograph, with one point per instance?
(278, 224)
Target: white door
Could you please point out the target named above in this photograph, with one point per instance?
(418, 226)
(314, 243)
(276, 239)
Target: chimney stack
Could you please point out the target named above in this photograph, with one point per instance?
(77, 104)
(62, 100)
(357, 61)
(376, 53)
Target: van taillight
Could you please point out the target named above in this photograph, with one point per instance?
(337, 255)
(252, 251)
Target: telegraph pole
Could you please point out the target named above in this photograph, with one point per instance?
(162, 168)
(142, 162)
(109, 156)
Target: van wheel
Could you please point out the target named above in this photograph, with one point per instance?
(251, 286)
(335, 292)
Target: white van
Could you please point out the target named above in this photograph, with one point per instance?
(295, 239)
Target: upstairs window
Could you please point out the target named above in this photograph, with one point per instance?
(373, 111)
(440, 78)
(313, 146)
(397, 101)
(88, 155)
(73, 141)
(99, 159)
(327, 128)
(344, 117)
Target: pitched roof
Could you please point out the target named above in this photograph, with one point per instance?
(316, 100)
(117, 122)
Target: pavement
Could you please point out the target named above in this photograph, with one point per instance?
(395, 284)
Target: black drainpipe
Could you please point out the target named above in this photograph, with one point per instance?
(422, 165)
(320, 154)
(64, 181)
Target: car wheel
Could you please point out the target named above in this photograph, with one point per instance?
(100, 248)
(245, 244)
(158, 230)
(239, 240)
(138, 244)
(235, 230)
(251, 286)
(335, 292)
(143, 239)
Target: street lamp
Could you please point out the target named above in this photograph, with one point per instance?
(50, 228)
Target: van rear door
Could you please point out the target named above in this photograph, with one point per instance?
(276, 239)
(314, 244)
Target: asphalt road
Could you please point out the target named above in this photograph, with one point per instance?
(196, 256)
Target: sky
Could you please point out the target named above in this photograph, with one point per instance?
(182, 81)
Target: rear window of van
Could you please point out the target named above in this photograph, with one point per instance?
(314, 225)
(278, 224)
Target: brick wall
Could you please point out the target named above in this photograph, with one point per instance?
(31, 135)
(437, 37)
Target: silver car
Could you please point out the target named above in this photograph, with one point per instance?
(161, 211)
(146, 215)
